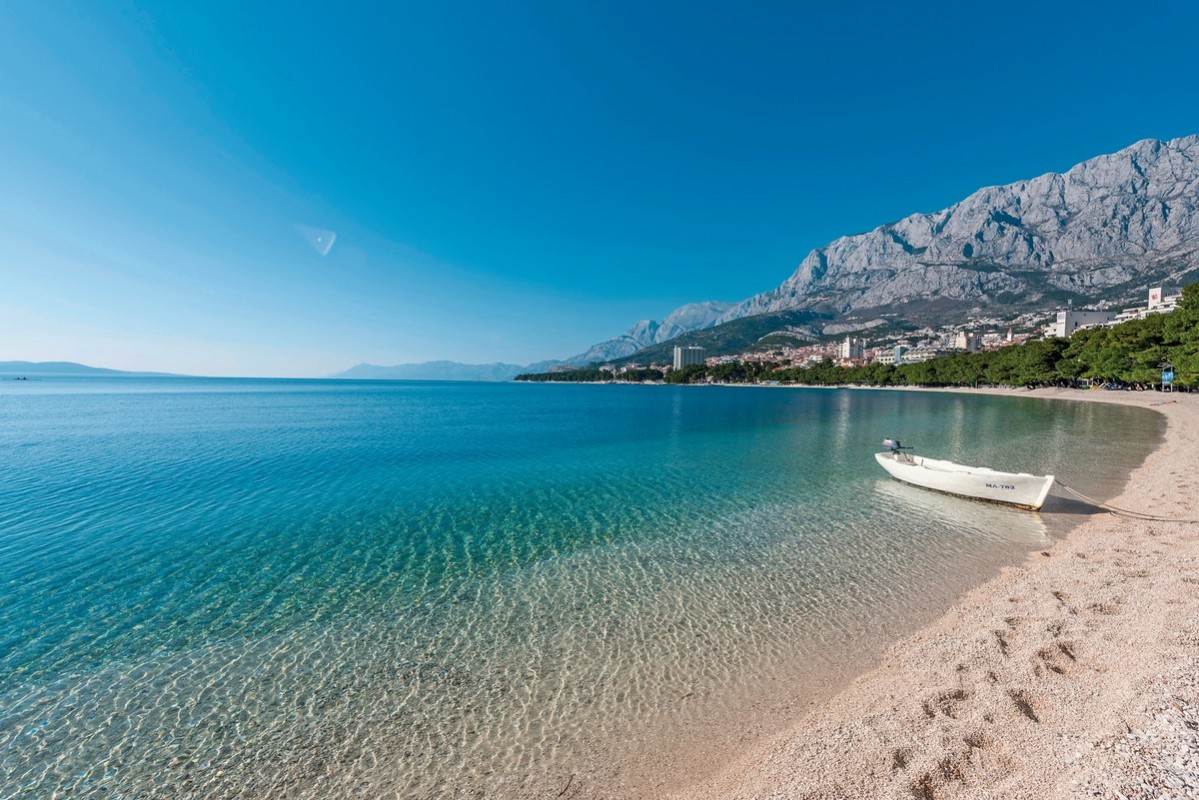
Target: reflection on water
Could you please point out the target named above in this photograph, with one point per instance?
(974, 517)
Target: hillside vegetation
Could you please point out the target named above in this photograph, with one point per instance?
(737, 336)
(1128, 355)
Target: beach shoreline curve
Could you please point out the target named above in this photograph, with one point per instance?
(1072, 674)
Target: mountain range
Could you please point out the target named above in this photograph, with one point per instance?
(642, 334)
(1106, 229)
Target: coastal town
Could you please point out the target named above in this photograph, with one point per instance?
(925, 344)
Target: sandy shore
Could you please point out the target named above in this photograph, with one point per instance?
(1075, 674)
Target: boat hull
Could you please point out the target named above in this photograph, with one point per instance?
(979, 483)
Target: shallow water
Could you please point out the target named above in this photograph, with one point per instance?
(219, 588)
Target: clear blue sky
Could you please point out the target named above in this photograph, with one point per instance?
(508, 181)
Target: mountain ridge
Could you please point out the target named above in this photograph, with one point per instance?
(1105, 229)
(1110, 221)
(647, 333)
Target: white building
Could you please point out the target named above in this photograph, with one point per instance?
(1161, 301)
(893, 356)
(688, 356)
(919, 354)
(1129, 314)
(965, 340)
(1070, 321)
(853, 348)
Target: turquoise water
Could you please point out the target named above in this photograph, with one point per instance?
(228, 588)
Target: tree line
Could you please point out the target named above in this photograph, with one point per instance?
(592, 375)
(1129, 355)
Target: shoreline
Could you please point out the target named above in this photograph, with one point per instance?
(1072, 674)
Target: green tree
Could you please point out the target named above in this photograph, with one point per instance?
(692, 374)
(1181, 338)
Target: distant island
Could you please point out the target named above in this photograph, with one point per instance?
(43, 369)
(433, 371)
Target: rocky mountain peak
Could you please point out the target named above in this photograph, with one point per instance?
(647, 332)
(1126, 219)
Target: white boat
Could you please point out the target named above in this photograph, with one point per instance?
(980, 483)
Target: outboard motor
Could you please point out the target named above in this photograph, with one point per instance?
(893, 445)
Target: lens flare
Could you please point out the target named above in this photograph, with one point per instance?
(318, 239)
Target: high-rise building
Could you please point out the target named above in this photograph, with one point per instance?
(965, 340)
(688, 356)
(853, 348)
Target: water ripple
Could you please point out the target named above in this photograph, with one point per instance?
(308, 589)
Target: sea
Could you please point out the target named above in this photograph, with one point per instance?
(218, 588)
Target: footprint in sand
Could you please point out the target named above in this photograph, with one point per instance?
(1058, 659)
(1020, 700)
(1108, 609)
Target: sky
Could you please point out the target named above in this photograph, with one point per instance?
(508, 181)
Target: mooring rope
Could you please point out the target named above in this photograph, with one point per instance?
(1122, 512)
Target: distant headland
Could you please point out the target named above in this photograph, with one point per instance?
(43, 369)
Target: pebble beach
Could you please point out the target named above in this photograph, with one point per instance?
(1072, 675)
